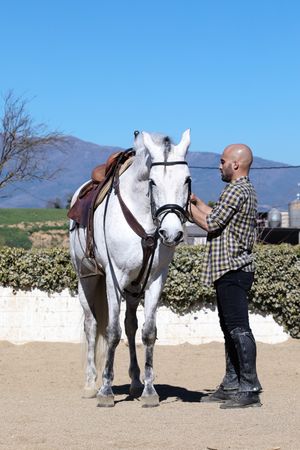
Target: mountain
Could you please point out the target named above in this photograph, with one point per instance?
(275, 187)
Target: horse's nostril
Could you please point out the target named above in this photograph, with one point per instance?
(162, 233)
(179, 236)
(165, 237)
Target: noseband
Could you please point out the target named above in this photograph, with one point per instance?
(181, 213)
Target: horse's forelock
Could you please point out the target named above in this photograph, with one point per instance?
(163, 141)
(167, 147)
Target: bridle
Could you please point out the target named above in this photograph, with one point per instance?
(181, 213)
(148, 240)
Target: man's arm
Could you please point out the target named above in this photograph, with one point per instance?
(214, 219)
(199, 211)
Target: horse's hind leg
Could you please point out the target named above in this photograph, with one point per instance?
(131, 326)
(88, 294)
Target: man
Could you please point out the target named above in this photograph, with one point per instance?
(228, 264)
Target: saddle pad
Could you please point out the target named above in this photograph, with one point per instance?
(102, 194)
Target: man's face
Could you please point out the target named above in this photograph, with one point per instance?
(226, 168)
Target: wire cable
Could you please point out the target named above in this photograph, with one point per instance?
(252, 168)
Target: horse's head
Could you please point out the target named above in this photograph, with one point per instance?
(169, 185)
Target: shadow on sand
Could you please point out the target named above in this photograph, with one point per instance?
(165, 392)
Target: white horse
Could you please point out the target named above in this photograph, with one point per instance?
(136, 229)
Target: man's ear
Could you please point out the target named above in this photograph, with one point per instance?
(236, 165)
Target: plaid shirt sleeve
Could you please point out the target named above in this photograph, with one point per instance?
(229, 203)
(231, 232)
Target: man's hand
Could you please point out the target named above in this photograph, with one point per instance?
(194, 199)
(200, 204)
(199, 211)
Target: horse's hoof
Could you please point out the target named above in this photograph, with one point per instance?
(150, 401)
(136, 389)
(89, 391)
(105, 401)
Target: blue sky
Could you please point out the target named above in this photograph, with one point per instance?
(98, 70)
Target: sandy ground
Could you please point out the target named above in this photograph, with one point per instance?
(41, 405)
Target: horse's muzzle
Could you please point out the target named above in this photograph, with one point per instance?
(170, 242)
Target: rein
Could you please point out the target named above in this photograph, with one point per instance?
(148, 241)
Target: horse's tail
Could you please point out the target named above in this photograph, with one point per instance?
(101, 312)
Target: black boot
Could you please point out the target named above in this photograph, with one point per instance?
(230, 383)
(250, 386)
(242, 400)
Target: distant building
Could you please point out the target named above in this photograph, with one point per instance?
(194, 235)
(284, 219)
(275, 227)
(294, 212)
(265, 234)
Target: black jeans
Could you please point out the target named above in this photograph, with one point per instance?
(232, 291)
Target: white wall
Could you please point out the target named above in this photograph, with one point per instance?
(37, 316)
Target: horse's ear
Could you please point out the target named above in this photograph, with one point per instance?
(186, 138)
(153, 148)
(182, 148)
(147, 140)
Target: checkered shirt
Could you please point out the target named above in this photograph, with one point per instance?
(231, 231)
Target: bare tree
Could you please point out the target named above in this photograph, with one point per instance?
(54, 203)
(24, 146)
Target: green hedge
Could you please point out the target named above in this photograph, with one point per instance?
(47, 269)
(276, 290)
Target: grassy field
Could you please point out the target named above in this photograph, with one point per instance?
(27, 227)
(11, 216)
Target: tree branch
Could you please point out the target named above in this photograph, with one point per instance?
(24, 145)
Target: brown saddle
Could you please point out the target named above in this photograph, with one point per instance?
(94, 192)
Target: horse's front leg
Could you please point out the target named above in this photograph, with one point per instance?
(131, 325)
(105, 394)
(149, 395)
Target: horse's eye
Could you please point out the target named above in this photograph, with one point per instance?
(187, 180)
(152, 182)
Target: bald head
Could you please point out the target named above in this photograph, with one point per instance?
(240, 153)
(236, 161)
